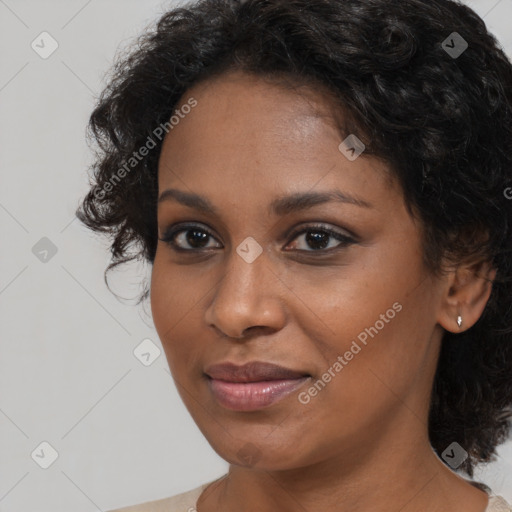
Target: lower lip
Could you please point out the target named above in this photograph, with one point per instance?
(250, 396)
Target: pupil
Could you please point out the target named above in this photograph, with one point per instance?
(191, 234)
(318, 239)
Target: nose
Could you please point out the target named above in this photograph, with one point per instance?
(248, 299)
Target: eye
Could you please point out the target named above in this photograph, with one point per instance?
(193, 235)
(318, 238)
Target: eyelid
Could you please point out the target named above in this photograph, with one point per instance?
(321, 226)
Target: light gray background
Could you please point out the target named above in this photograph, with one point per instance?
(68, 374)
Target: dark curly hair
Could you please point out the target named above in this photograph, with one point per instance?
(442, 122)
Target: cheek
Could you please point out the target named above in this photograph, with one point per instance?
(173, 296)
(161, 298)
(333, 307)
(376, 321)
(165, 306)
(366, 381)
(176, 309)
(385, 359)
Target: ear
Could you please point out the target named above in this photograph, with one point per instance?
(467, 291)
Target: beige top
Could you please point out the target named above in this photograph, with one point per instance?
(186, 502)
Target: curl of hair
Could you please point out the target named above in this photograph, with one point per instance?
(444, 126)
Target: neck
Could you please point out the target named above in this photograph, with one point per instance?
(391, 474)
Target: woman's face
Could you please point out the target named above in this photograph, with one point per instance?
(262, 278)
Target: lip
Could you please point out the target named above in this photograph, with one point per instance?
(254, 371)
(252, 386)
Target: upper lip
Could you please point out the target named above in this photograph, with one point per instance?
(252, 372)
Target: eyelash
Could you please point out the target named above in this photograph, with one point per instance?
(344, 240)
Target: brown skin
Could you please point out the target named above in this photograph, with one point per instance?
(362, 443)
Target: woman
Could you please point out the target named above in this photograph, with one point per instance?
(323, 192)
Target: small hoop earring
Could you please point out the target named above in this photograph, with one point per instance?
(459, 321)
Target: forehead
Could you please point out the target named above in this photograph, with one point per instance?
(255, 138)
(248, 112)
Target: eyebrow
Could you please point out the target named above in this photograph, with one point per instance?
(281, 206)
